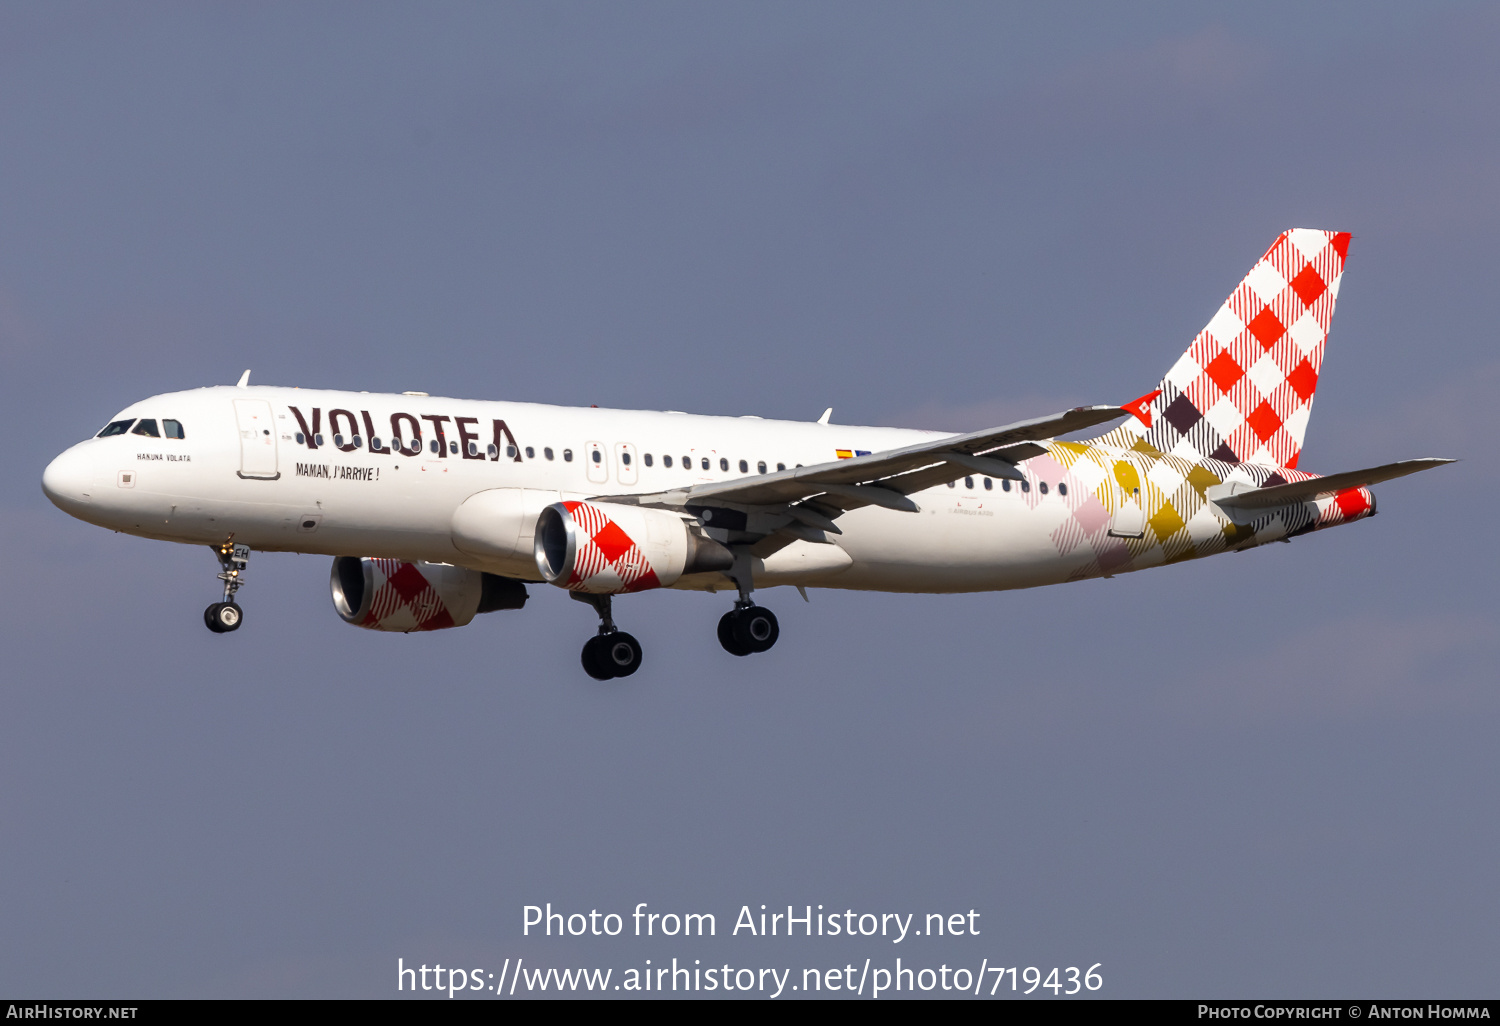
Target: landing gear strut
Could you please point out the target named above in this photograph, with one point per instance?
(610, 653)
(226, 616)
(746, 628)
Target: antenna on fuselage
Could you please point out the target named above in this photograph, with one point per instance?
(821, 420)
(244, 381)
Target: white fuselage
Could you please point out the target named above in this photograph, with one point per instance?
(249, 468)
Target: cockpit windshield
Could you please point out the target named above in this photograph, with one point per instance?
(145, 427)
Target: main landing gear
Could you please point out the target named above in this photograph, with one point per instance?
(226, 616)
(746, 628)
(610, 653)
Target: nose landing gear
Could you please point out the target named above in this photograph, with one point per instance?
(610, 653)
(226, 616)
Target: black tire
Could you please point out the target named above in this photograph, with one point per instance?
(593, 659)
(755, 628)
(727, 635)
(621, 653)
(211, 618)
(227, 617)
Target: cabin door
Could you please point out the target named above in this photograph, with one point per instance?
(257, 439)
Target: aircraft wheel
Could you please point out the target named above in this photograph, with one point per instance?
(622, 653)
(727, 637)
(611, 655)
(755, 628)
(223, 617)
(593, 661)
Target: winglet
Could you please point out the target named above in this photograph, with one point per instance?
(826, 414)
(244, 381)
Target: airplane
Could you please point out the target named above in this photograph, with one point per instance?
(438, 509)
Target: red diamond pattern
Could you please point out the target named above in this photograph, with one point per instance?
(1304, 380)
(612, 541)
(1266, 327)
(408, 582)
(1308, 285)
(1263, 421)
(1224, 371)
(1352, 502)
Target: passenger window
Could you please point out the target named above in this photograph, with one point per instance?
(530, 453)
(988, 485)
(547, 453)
(597, 456)
(118, 427)
(567, 455)
(761, 466)
(1005, 485)
(510, 452)
(1043, 487)
(147, 427)
(723, 463)
(491, 451)
(172, 429)
(666, 461)
(781, 466)
(432, 445)
(301, 438)
(1062, 489)
(1025, 486)
(625, 458)
(744, 467)
(357, 441)
(687, 463)
(705, 463)
(453, 448)
(473, 448)
(338, 441)
(647, 458)
(952, 484)
(969, 483)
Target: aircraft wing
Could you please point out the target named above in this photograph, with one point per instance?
(886, 478)
(1320, 487)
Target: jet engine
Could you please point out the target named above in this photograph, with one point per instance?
(394, 595)
(607, 548)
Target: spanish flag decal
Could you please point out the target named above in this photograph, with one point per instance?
(844, 454)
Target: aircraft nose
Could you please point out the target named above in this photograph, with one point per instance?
(69, 479)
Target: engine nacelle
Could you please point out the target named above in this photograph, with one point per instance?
(394, 595)
(607, 548)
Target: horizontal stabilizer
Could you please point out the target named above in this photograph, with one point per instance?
(1317, 487)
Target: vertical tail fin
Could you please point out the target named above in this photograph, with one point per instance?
(1243, 390)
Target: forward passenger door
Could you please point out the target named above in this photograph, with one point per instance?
(257, 432)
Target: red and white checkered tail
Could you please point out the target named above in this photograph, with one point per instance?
(1243, 390)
